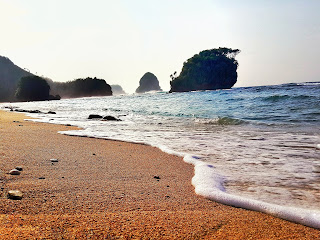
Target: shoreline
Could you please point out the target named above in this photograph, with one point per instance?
(107, 189)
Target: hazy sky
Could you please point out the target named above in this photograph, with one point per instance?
(120, 40)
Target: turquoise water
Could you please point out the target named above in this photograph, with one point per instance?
(254, 143)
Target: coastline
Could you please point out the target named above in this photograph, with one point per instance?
(107, 189)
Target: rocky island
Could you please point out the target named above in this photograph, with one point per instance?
(148, 82)
(82, 87)
(209, 70)
(117, 90)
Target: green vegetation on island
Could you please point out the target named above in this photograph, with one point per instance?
(82, 87)
(209, 70)
(32, 88)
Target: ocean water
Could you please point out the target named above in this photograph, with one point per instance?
(254, 147)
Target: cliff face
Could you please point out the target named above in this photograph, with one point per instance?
(209, 70)
(10, 74)
(148, 82)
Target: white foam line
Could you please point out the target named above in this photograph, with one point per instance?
(209, 184)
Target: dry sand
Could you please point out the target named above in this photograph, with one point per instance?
(103, 189)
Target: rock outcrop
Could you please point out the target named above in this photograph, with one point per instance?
(111, 118)
(148, 82)
(209, 70)
(117, 90)
(94, 116)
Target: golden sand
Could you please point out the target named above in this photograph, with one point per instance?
(102, 189)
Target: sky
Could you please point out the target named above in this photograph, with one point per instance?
(120, 40)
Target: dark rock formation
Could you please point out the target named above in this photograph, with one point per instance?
(10, 74)
(111, 118)
(94, 116)
(27, 111)
(148, 82)
(117, 90)
(19, 168)
(209, 70)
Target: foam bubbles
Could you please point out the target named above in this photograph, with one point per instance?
(209, 183)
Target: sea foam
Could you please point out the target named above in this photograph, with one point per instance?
(208, 183)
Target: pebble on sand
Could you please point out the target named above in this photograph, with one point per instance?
(14, 172)
(19, 168)
(15, 194)
(54, 160)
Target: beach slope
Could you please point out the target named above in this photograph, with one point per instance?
(102, 189)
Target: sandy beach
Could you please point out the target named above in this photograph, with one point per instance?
(103, 189)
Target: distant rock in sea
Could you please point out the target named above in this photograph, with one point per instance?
(117, 90)
(111, 118)
(148, 82)
(209, 70)
(94, 116)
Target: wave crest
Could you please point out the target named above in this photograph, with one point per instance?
(277, 98)
(220, 121)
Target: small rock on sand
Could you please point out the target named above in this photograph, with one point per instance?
(15, 194)
(19, 168)
(54, 160)
(14, 172)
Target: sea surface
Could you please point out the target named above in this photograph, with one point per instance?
(252, 147)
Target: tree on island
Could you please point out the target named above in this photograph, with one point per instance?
(32, 88)
(209, 70)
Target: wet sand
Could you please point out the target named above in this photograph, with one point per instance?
(102, 189)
